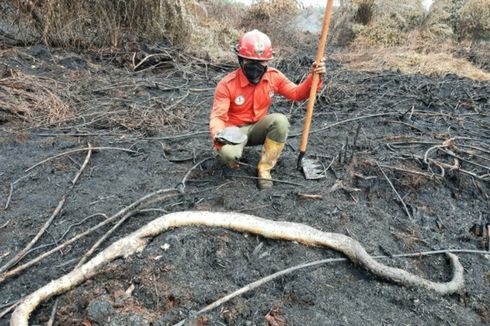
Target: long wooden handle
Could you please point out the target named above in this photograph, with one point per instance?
(314, 84)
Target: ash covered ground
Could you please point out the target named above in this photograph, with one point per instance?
(406, 162)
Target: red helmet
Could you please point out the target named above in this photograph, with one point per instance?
(254, 45)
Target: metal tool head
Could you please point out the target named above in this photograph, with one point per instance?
(231, 135)
(312, 169)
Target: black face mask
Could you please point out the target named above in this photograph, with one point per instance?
(254, 71)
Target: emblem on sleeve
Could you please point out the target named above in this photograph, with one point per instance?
(239, 100)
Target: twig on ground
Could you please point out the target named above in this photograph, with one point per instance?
(73, 161)
(85, 162)
(271, 277)
(430, 176)
(123, 219)
(151, 210)
(339, 184)
(100, 117)
(445, 144)
(198, 90)
(24, 251)
(258, 283)
(151, 56)
(396, 192)
(450, 153)
(8, 304)
(401, 144)
(80, 223)
(273, 180)
(78, 150)
(87, 255)
(46, 225)
(181, 185)
(347, 121)
(330, 165)
(12, 184)
(426, 154)
(488, 236)
(167, 110)
(9, 309)
(178, 136)
(135, 205)
(137, 241)
(81, 134)
(106, 235)
(252, 208)
(406, 124)
(475, 148)
(52, 317)
(84, 118)
(309, 196)
(483, 177)
(65, 233)
(175, 103)
(364, 177)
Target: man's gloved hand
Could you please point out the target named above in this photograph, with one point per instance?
(230, 136)
(319, 68)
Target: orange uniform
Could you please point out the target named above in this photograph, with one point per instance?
(238, 102)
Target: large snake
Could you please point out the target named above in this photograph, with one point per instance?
(136, 242)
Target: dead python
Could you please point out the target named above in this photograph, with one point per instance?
(136, 242)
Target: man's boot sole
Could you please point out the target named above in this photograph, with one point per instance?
(264, 184)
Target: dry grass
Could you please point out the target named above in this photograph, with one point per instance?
(475, 19)
(391, 23)
(209, 28)
(384, 35)
(274, 18)
(377, 22)
(91, 23)
(224, 11)
(150, 119)
(32, 99)
(269, 11)
(410, 61)
(213, 41)
(116, 24)
(220, 29)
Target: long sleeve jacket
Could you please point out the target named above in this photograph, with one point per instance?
(238, 102)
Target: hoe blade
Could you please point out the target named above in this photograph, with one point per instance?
(312, 169)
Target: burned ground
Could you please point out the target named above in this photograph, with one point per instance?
(408, 171)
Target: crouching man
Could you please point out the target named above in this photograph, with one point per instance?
(240, 114)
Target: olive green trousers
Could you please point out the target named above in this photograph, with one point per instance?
(274, 126)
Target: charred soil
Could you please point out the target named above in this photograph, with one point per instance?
(407, 169)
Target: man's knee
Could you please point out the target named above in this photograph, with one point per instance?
(279, 128)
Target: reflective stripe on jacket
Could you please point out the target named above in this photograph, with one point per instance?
(238, 102)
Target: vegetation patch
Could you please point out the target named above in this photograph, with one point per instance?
(410, 61)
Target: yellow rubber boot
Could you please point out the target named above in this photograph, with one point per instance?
(270, 154)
